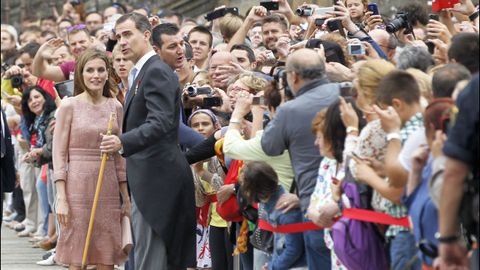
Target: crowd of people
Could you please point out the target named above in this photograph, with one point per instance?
(254, 135)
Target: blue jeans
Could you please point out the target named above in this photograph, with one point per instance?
(318, 255)
(260, 258)
(43, 196)
(402, 250)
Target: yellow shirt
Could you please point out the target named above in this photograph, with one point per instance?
(237, 147)
(215, 219)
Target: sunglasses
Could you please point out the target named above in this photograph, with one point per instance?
(76, 27)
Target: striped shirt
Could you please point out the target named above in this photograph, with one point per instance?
(396, 210)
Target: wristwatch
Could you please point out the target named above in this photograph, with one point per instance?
(394, 136)
(121, 151)
(446, 239)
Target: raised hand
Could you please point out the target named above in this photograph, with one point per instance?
(348, 114)
(436, 29)
(390, 119)
(49, 47)
(372, 21)
(256, 14)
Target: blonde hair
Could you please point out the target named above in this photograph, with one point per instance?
(202, 77)
(229, 25)
(424, 82)
(253, 82)
(369, 76)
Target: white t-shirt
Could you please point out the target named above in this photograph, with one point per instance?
(414, 141)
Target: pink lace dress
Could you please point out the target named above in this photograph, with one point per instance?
(76, 159)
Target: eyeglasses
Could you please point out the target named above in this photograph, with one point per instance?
(76, 27)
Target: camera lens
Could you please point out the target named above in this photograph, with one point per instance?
(396, 24)
(304, 11)
(299, 11)
(191, 91)
(17, 81)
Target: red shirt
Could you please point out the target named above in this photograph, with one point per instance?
(47, 86)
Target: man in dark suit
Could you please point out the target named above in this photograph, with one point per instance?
(159, 177)
(7, 160)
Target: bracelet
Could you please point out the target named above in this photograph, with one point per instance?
(358, 30)
(235, 121)
(473, 16)
(394, 136)
(352, 129)
(446, 239)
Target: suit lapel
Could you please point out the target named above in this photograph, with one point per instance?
(136, 85)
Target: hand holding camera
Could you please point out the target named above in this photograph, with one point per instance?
(436, 29)
(12, 72)
(283, 46)
(372, 20)
(242, 105)
(256, 14)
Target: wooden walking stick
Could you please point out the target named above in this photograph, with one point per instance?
(97, 195)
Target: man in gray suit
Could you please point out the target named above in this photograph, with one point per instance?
(290, 129)
(159, 177)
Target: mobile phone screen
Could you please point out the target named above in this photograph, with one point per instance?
(65, 88)
(269, 5)
(373, 8)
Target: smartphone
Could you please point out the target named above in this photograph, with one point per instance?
(319, 22)
(356, 49)
(334, 25)
(430, 46)
(269, 5)
(65, 88)
(258, 101)
(220, 13)
(433, 16)
(109, 26)
(212, 101)
(373, 8)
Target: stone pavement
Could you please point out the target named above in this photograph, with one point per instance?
(17, 253)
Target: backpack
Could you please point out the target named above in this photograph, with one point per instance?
(358, 244)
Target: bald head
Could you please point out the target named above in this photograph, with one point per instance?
(304, 65)
(379, 35)
(387, 42)
(217, 61)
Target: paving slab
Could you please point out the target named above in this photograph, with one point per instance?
(17, 253)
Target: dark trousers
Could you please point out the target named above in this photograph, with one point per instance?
(221, 249)
(18, 204)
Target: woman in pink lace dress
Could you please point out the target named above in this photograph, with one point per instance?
(76, 156)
